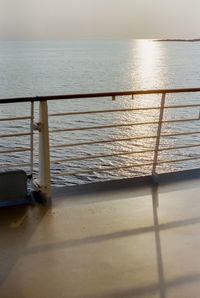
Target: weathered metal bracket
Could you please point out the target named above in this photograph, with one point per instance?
(37, 126)
(37, 195)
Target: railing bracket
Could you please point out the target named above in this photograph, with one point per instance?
(37, 195)
(37, 126)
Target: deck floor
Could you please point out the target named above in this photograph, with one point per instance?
(142, 242)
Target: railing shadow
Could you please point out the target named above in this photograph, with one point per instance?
(161, 286)
(155, 205)
(18, 224)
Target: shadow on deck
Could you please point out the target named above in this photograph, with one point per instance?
(131, 242)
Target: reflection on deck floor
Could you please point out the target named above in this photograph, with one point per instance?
(140, 242)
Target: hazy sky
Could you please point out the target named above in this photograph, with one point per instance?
(92, 19)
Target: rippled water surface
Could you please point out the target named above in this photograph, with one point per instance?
(66, 67)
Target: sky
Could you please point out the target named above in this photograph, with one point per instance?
(99, 19)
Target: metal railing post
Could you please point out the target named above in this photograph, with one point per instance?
(44, 158)
(31, 139)
(162, 106)
(32, 147)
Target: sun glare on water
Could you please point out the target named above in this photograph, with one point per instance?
(148, 54)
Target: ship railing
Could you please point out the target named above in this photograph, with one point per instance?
(18, 135)
(43, 183)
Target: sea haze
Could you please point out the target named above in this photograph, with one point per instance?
(34, 68)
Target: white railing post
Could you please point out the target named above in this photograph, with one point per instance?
(162, 106)
(44, 158)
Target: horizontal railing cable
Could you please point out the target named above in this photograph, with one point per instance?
(123, 153)
(102, 111)
(15, 118)
(102, 141)
(15, 135)
(122, 110)
(123, 167)
(123, 139)
(102, 156)
(14, 150)
(122, 125)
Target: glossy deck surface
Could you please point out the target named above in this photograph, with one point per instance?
(140, 242)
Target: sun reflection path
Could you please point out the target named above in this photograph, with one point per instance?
(146, 74)
(149, 70)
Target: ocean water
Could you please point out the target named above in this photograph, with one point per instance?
(34, 68)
